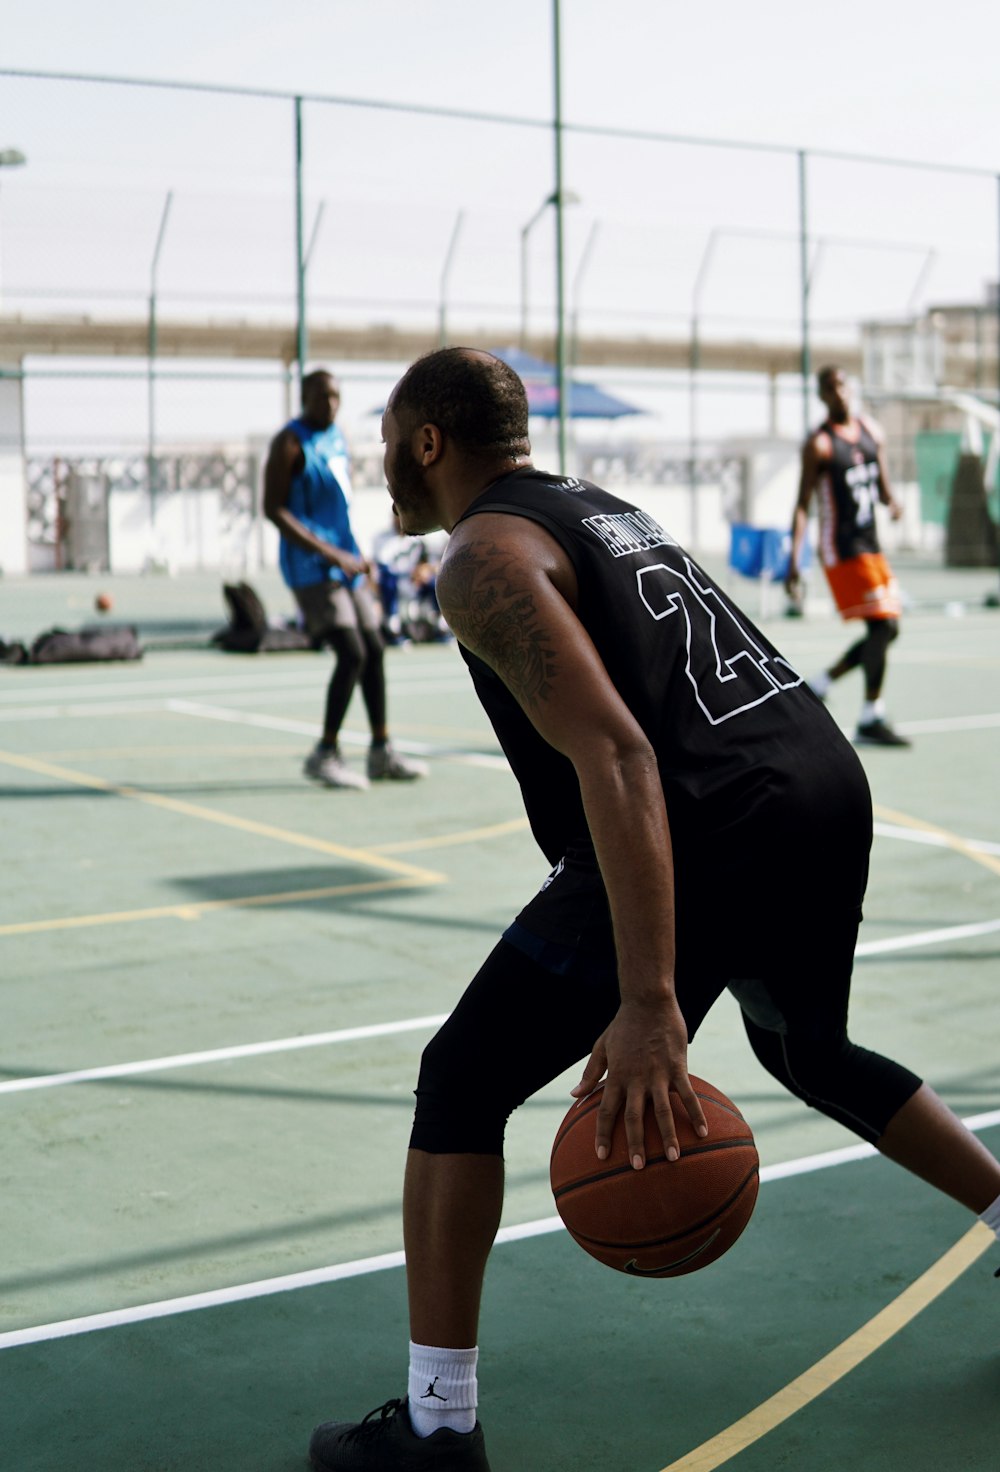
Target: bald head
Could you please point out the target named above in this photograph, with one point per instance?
(473, 398)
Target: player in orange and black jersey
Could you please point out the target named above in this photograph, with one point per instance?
(842, 461)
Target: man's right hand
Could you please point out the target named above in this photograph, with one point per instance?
(640, 1057)
(350, 565)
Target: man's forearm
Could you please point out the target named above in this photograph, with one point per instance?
(628, 823)
(294, 531)
(800, 521)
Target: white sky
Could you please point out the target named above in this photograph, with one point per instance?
(883, 76)
(879, 78)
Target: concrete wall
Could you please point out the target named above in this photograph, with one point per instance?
(190, 533)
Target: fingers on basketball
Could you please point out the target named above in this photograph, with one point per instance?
(670, 1218)
(609, 1107)
(664, 1116)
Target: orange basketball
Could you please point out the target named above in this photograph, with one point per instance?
(671, 1217)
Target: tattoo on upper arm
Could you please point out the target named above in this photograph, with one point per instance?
(492, 612)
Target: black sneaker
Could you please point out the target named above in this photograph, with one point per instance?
(878, 733)
(390, 1444)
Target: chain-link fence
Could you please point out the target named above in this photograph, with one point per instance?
(162, 323)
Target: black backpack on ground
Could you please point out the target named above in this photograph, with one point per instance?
(248, 631)
(93, 644)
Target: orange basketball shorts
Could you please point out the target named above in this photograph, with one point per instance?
(864, 587)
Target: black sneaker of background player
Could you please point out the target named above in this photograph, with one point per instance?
(878, 733)
(389, 1444)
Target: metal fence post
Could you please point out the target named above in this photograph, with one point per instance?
(560, 235)
(804, 280)
(302, 334)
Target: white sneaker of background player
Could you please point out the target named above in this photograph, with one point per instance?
(325, 764)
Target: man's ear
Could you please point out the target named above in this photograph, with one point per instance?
(428, 445)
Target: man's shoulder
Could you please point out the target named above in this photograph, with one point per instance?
(872, 428)
(819, 442)
(286, 449)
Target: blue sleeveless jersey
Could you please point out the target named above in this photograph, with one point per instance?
(318, 497)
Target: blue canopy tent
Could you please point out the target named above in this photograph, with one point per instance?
(586, 400)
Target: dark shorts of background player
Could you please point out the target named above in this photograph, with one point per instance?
(783, 949)
(329, 607)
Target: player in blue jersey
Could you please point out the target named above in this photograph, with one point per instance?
(708, 826)
(306, 494)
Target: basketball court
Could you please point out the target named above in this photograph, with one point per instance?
(218, 980)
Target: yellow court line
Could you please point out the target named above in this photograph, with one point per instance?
(468, 835)
(840, 1361)
(82, 753)
(194, 909)
(226, 820)
(988, 861)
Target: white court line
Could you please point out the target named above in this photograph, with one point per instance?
(260, 679)
(171, 685)
(218, 1055)
(90, 712)
(282, 695)
(938, 840)
(280, 723)
(926, 938)
(243, 718)
(338, 1272)
(387, 1029)
(349, 738)
(429, 685)
(950, 723)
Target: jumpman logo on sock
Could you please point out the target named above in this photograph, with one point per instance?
(430, 1391)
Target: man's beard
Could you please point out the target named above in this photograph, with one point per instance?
(408, 488)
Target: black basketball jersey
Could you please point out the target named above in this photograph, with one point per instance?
(849, 491)
(743, 745)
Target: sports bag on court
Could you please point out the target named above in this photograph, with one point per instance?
(248, 631)
(98, 644)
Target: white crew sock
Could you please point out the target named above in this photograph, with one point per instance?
(991, 1217)
(820, 684)
(872, 710)
(443, 1390)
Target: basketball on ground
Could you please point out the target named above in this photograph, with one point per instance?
(671, 1217)
(104, 603)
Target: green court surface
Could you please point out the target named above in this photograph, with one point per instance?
(217, 981)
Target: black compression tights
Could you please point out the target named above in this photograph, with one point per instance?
(870, 653)
(854, 1086)
(518, 1026)
(358, 654)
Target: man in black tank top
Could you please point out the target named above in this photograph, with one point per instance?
(843, 466)
(708, 827)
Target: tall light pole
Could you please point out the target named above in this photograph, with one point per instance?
(153, 346)
(10, 158)
(525, 232)
(445, 274)
(574, 318)
(568, 197)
